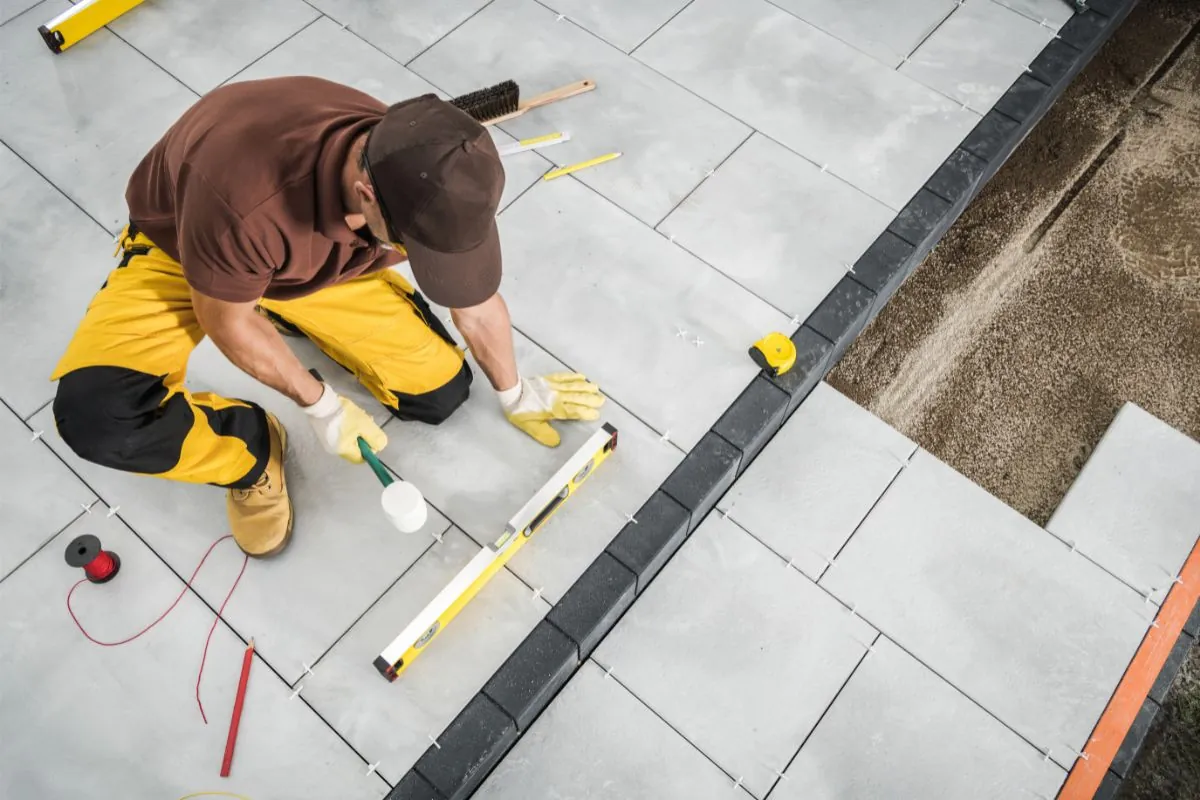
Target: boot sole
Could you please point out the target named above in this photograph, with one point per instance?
(287, 536)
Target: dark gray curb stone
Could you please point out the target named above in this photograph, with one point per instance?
(483, 733)
(1166, 676)
(413, 787)
(644, 546)
(704, 476)
(1126, 755)
(753, 418)
(468, 749)
(596, 601)
(533, 674)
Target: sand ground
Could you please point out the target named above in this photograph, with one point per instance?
(1070, 286)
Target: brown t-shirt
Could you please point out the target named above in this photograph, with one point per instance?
(244, 190)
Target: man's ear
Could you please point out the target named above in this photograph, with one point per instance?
(365, 193)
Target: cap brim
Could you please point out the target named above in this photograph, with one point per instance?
(458, 280)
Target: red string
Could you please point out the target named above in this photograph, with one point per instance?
(186, 586)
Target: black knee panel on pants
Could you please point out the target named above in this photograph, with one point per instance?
(435, 407)
(116, 417)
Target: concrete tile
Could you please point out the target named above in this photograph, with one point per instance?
(343, 555)
(597, 741)
(77, 124)
(389, 722)
(878, 130)
(777, 225)
(1031, 631)
(1054, 13)
(1133, 509)
(885, 31)
(40, 495)
(670, 137)
(817, 479)
(74, 714)
(894, 730)
(203, 44)
(479, 470)
(327, 51)
(977, 53)
(608, 297)
(401, 32)
(786, 647)
(624, 23)
(38, 316)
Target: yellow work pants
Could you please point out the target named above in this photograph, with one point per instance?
(121, 400)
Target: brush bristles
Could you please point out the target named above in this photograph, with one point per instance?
(494, 101)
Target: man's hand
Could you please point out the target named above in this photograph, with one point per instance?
(338, 423)
(533, 402)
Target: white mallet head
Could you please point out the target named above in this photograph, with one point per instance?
(404, 506)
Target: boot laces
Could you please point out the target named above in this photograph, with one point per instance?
(263, 484)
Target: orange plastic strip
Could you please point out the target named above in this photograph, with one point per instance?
(1086, 774)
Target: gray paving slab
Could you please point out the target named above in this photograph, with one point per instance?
(597, 741)
(40, 495)
(203, 44)
(880, 131)
(817, 479)
(778, 225)
(1053, 13)
(86, 121)
(1134, 509)
(480, 470)
(44, 234)
(390, 722)
(1034, 633)
(887, 32)
(977, 53)
(327, 50)
(401, 31)
(343, 555)
(125, 719)
(670, 138)
(738, 652)
(608, 297)
(895, 731)
(623, 23)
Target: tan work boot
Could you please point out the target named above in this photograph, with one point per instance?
(261, 516)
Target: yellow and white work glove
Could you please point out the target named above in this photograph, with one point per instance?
(533, 402)
(338, 423)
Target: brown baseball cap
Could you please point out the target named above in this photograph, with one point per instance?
(438, 180)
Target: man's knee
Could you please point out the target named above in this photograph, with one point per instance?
(116, 417)
(436, 406)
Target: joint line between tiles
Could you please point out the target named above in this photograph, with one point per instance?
(704, 178)
(660, 27)
(825, 711)
(41, 547)
(66, 196)
(892, 639)
(448, 33)
(302, 29)
(612, 677)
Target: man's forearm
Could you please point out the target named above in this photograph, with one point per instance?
(488, 331)
(256, 348)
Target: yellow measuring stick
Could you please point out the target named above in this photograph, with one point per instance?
(558, 173)
(81, 20)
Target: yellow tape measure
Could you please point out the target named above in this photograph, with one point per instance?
(774, 353)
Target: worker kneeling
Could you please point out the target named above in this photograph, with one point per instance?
(279, 206)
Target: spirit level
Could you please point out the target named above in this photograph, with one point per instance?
(82, 20)
(434, 618)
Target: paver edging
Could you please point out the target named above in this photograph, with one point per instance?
(642, 548)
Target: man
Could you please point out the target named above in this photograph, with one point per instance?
(279, 205)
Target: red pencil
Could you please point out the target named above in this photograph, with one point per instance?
(237, 710)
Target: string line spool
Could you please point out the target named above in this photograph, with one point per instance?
(99, 565)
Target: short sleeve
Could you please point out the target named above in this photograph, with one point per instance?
(224, 257)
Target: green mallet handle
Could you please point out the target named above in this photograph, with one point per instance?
(377, 467)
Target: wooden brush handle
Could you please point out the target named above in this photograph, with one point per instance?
(554, 95)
